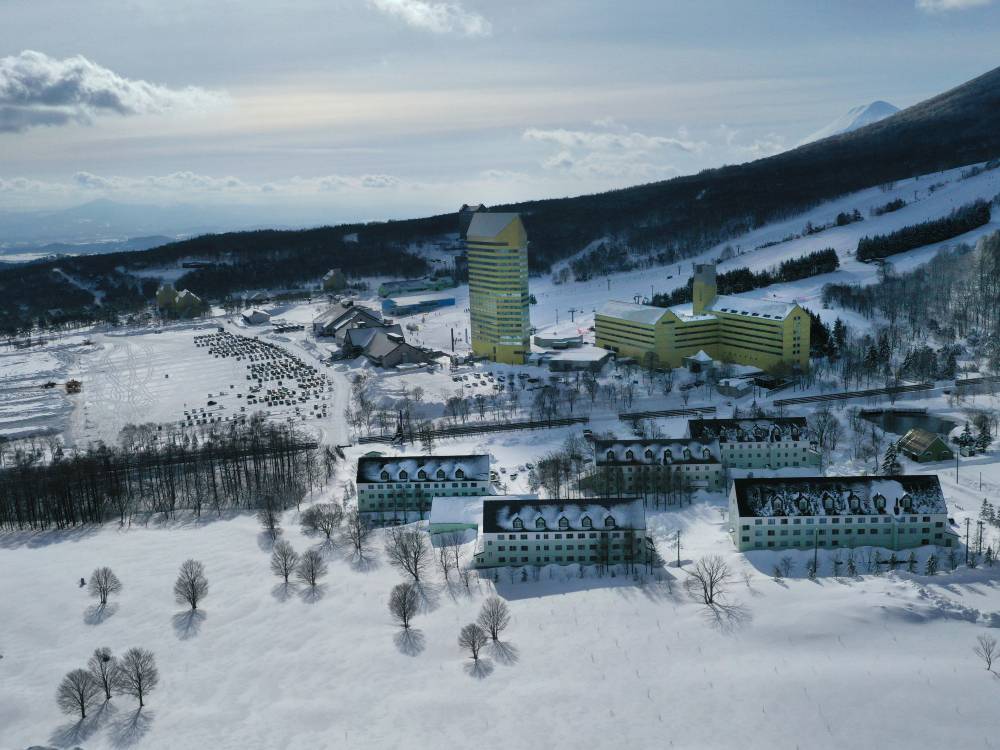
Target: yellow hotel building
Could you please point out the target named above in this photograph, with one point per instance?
(760, 333)
(498, 287)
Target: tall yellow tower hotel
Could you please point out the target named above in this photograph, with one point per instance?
(762, 333)
(498, 287)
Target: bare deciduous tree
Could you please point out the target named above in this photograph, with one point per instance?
(987, 649)
(328, 518)
(284, 558)
(104, 667)
(270, 520)
(472, 638)
(407, 549)
(311, 568)
(78, 691)
(358, 531)
(403, 603)
(191, 585)
(137, 674)
(708, 579)
(494, 616)
(103, 583)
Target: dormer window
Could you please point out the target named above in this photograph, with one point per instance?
(459, 474)
(384, 476)
(403, 475)
(629, 456)
(563, 524)
(687, 454)
(706, 453)
(440, 474)
(421, 474)
(518, 523)
(611, 455)
(586, 523)
(539, 523)
(668, 456)
(649, 454)
(609, 522)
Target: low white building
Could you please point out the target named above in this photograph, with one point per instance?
(764, 443)
(408, 483)
(450, 513)
(516, 532)
(654, 466)
(256, 317)
(896, 512)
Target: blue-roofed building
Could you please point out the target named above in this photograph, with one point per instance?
(416, 304)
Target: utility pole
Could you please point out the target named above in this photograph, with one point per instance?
(678, 548)
(967, 521)
(816, 550)
(452, 340)
(979, 540)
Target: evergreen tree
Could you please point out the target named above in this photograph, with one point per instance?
(952, 559)
(890, 464)
(988, 557)
(911, 562)
(931, 566)
(983, 440)
(893, 561)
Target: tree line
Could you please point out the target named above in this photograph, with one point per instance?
(245, 466)
(961, 220)
(744, 280)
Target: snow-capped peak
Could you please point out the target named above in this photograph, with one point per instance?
(854, 118)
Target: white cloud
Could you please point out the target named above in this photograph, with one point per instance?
(942, 6)
(183, 186)
(609, 141)
(611, 151)
(36, 90)
(437, 17)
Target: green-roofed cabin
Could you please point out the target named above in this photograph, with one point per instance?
(924, 446)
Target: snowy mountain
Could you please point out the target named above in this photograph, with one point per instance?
(854, 118)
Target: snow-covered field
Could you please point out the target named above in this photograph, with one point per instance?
(592, 661)
(605, 662)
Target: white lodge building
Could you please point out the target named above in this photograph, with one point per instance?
(765, 443)
(656, 466)
(896, 512)
(559, 532)
(408, 483)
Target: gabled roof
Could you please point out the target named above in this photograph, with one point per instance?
(485, 224)
(362, 336)
(832, 496)
(499, 514)
(918, 440)
(382, 344)
(345, 310)
(476, 468)
(645, 314)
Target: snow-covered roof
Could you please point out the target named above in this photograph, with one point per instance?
(346, 310)
(834, 496)
(644, 314)
(585, 353)
(501, 515)
(654, 451)
(473, 468)
(763, 430)
(755, 308)
(485, 224)
(460, 509)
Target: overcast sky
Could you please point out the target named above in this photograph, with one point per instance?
(330, 110)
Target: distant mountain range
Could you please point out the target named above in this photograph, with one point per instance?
(103, 221)
(854, 118)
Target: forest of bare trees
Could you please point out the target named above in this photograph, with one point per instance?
(245, 467)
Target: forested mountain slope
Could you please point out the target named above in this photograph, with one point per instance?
(672, 219)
